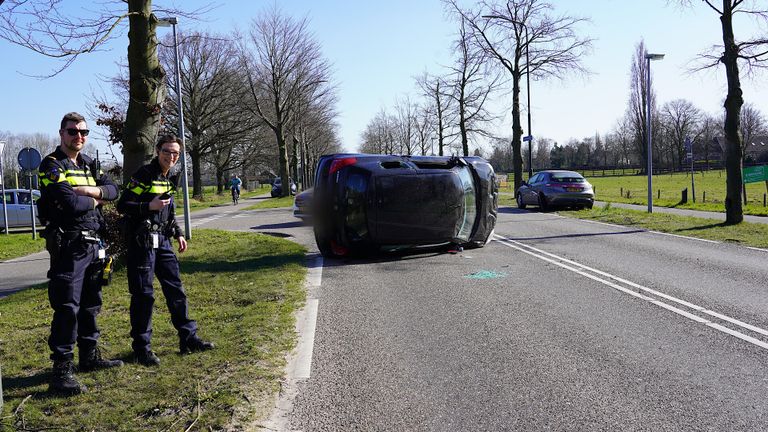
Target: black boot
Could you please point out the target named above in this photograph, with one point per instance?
(194, 344)
(146, 358)
(91, 360)
(62, 379)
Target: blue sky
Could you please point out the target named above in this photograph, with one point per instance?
(377, 48)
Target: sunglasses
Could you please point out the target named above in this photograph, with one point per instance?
(170, 153)
(74, 132)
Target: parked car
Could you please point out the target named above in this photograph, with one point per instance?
(302, 205)
(277, 187)
(367, 202)
(556, 188)
(18, 207)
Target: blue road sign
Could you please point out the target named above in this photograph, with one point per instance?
(29, 159)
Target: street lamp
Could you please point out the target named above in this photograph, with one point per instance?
(649, 150)
(165, 22)
(529, 137)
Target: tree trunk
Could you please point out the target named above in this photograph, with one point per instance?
(197, 174)
(147, 88)
(517, 133)
(733, 209)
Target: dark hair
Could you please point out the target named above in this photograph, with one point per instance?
(71, 116)
(170, 138)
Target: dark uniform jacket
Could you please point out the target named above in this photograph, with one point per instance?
(147, 183)
(59, 204)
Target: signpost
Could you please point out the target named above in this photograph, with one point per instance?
(2, 191)
(29, 160)
(754, 174)
(689, 155)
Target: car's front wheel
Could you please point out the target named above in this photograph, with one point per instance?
(543, 206)
(520, 203)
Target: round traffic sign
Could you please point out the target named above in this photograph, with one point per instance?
(29, 159)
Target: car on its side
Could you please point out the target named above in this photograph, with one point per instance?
(302, 205)
(18, 208)
(277, 187)
(363, 202)
(555, 188)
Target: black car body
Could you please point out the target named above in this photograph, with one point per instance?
(277, 187)
(366, 202)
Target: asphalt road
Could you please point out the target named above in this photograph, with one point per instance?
(557, 325)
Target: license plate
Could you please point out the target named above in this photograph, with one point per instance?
(572, 189)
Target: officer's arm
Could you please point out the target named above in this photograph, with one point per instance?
(64, 197)
(109, 190)
(130, 203)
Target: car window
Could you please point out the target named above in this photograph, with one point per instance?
(470, 206)
(23, 198)
(534, 179)
(9, 198)
(567, 177)
(355, 218)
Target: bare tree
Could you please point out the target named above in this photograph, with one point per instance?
(436, 91)
(41, 26)
(508, 30)
(284, 65)
(680, 119)
(637, 111)
(471, 86)
(751, 53)
(752, 125)
(710, 128)
(379, 135)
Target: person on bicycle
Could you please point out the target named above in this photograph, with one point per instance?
(234, 185)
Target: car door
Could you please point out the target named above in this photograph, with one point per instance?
(24, 208)
(529, 193)
(10, 208)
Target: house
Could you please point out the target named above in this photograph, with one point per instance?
(754, 151)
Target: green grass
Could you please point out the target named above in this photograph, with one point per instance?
(212, 199)
(17, 244)
(279, 202)
(243, 290)
(667, 190)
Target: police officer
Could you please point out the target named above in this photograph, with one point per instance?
(72, 191)
(147, 203)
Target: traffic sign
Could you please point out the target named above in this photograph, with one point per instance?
(755, 174)
(527, 138)
(29, 159)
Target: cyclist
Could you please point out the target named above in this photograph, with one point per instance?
(234, 185)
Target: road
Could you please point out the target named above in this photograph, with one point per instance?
(558, 324)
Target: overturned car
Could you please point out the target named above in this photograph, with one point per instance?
(365, 202)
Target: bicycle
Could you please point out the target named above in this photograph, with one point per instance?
(235, 195)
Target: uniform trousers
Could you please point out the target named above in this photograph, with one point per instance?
(144, 263)
(74, 292)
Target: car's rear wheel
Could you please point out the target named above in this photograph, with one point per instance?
(543, 206)
(589, 205)
(520, 203)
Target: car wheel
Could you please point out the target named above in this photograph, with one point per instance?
(589, 205)
(520, 203)
(543, 206)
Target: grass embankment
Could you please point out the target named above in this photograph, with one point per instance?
(243, 290)
(279, 202)
(17, 244)
(667, 191)
(212, 199)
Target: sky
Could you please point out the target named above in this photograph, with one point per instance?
(377, 48)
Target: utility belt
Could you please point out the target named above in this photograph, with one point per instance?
(148, 234)
(87, 236)
(56, 239)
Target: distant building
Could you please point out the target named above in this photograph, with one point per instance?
(755, 151)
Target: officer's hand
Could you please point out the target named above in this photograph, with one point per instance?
(157, 203)
(182, 244)
(89, 191)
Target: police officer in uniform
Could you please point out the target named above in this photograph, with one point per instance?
(147, 203)
(72, 191)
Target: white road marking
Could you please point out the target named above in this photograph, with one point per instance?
(648, 231)
(757, 249)
(615, 281)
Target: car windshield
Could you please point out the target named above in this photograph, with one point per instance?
(470, 207)
(567, 177)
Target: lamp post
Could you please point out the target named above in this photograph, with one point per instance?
(5, 210)
(529, 137)
(649, 149)
(165, 22)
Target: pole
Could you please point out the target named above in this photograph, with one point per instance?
(693, 182)
(649, 150)
(185, 179)
(5, 209)
(32, 206)
(528, 90)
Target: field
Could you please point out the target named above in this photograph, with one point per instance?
(667, 191)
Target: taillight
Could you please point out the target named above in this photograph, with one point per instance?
(338, 164)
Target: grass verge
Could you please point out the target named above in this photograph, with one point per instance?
(279, 202)
(745, 233)
(212, 199)
(17, 244)
(243, 290)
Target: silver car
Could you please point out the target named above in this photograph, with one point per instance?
(556, 188)
(18, 207)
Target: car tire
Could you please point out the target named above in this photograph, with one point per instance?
(589, 206)
(520, 203)
(543, 206)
